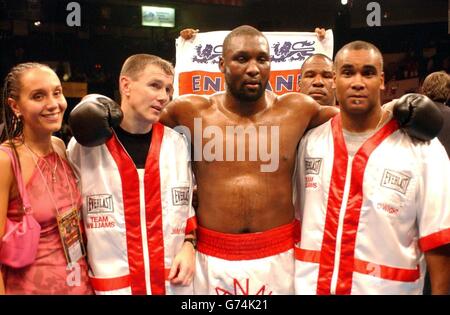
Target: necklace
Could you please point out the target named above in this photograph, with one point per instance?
(46, 184)
(52, 170)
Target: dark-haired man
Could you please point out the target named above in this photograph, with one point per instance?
(317, 79)
(373, 204)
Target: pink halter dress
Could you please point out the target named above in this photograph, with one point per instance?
(49, 274)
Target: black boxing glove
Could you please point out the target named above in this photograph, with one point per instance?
(418, 116)
(92, 119)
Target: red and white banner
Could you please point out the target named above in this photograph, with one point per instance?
(197, 60)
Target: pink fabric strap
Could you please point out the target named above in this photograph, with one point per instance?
(18, 174)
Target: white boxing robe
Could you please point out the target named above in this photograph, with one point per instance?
(366, 221)
(135, 220)
(245, 264)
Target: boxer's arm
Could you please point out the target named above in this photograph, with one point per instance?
(306, 110)
(438, 264)
(182, 110)
(168, 115)
(175, 111)
(322, 115)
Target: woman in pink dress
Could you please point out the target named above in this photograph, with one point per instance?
(33, 106)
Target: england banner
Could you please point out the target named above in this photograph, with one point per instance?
(197, 60)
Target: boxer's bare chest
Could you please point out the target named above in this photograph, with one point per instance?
(228, 133)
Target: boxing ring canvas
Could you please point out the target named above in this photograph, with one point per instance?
(197, 60)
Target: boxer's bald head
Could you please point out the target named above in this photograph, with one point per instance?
(245, 63)
(358, 45)
(243, 30)
(359, 80)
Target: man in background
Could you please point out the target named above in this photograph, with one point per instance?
(437, 87)
(317, 79)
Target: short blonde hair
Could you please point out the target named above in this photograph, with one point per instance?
(135, 64)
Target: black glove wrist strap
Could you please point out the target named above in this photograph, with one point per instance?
(191, 240)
